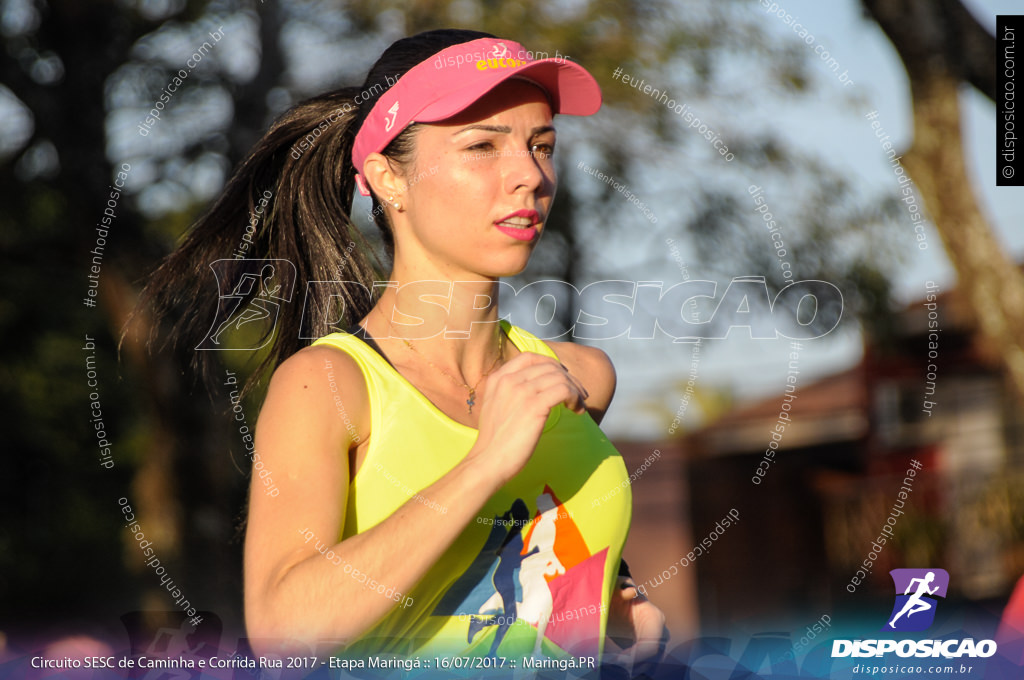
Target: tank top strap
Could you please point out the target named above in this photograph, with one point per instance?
(526, 341)
(367, 357)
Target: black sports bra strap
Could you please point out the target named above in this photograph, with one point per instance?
(360, 332)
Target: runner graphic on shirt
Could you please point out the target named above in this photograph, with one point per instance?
(535, 586)
(510, 557)
(538, 562)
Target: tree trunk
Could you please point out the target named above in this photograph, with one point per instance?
(942, 46)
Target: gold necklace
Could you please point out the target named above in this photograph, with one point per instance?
(472, 390)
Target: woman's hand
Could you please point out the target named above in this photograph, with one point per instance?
(636, 625)
(519, 397)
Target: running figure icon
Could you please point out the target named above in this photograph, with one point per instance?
(250, 293)
(915, 604)
(257, 309)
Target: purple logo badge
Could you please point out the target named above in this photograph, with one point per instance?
(916, 590)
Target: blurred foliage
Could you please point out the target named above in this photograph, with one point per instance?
(979, 520)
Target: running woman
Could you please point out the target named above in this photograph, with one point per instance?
(436, 464)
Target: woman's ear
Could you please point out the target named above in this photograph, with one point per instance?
(384, 181)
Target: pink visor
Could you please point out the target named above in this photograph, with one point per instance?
(457, 76)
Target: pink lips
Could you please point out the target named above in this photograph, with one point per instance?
(519, 229)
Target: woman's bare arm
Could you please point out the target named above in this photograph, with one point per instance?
(292, 591)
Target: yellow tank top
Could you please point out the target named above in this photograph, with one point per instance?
(533, 574)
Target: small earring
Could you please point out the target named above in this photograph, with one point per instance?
(397, 206)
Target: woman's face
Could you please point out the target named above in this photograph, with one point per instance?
(480, 186)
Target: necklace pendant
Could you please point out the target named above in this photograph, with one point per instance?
(472, 400)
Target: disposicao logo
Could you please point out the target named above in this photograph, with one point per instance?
(914, 610)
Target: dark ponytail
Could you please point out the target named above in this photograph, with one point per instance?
(289, 200)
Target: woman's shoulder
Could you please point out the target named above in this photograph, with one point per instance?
(594, 369)
(315, 380)
(312, 365)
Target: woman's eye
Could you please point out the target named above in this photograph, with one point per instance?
(543, 150)
(481, 146)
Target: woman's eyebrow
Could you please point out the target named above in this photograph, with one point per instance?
(504, 129)
(488, 128)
